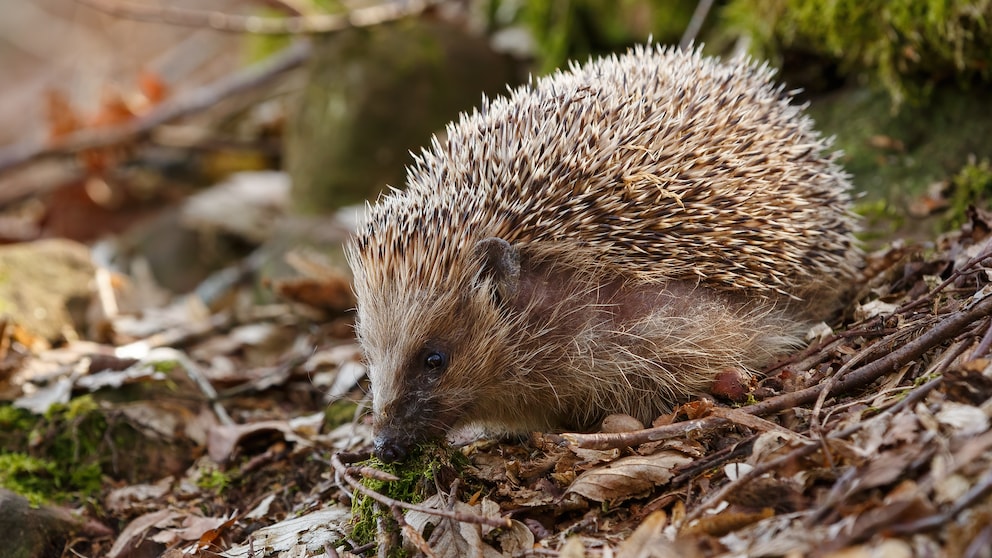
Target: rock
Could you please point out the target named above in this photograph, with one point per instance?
(372, 96)
(38, 531)
(46, 286)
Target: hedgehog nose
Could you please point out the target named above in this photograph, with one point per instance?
(388, 450)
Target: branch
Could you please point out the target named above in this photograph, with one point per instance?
(343, 471)
(234, 23)
(696, 23)
(945, 330)
(191, 102)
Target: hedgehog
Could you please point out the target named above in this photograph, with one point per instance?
(607, 239)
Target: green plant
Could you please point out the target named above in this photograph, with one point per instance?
(905, 45)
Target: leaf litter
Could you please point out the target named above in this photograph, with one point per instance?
(246, 435)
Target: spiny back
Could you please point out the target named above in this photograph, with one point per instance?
(661, 162)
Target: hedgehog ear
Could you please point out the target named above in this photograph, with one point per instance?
(499, 262)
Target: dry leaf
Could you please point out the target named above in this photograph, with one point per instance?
(628, 477)
(451, 538)
(293, 537)
(962, 420)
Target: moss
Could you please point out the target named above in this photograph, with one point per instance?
(895, 158)
(972, 186)
(906, 46)
(880, 220)
(166, 366)
(416, 474)
(214, 480)
(28, 476)
(13, 419)
(340, 412)
(577, 29)
(55, 457)
(42, 480)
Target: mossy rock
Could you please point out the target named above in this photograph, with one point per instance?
(375, 94)
(906, 46)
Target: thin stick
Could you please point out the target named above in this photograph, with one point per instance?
(943, 331)
(696, 23)
(189, 103)
(977, 491)
(236, 23)
(984, 344)
(412, 534)
(342, 470)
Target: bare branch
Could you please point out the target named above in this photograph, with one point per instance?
(944, 331)
(235, 23)
(696, 23)
(609, 440)
(342, 470)
(186, 104)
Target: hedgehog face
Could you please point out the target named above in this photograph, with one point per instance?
(428, 372)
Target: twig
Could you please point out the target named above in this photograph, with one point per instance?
(743, 418)
(711, 461)
(827, 386)
(235, 23)
(603, 441)
(186, 104)
(932, 522)
(983, 254)
(758, 470)
(195, 373)
(372, 473)
(946, 329)
(943, 331)
(984, 344)
(915, 396)
(696, 23)
(445, 526)
(412, 534)
(342, 470)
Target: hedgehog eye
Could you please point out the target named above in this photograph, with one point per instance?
(435, 361)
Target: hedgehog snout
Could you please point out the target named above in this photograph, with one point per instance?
(401, 428)
(389, 449)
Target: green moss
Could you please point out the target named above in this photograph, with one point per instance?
(41, 480)
(895, 158)
(879, 219)
(14, 419)
(28, 476)
(54, 457)
(577, 29)
(972, 186)
(416, 474)
(166, 366)
(905, 45)
(214, 480)
(340, 412)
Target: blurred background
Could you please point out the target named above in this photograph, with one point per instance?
(177, 177)
(176, 138)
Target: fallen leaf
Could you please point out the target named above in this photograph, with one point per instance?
(962, 420)
(296, 536)
(628, 477)
(453, 538)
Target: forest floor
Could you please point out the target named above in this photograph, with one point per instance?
(239, 428)
(231, 420)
